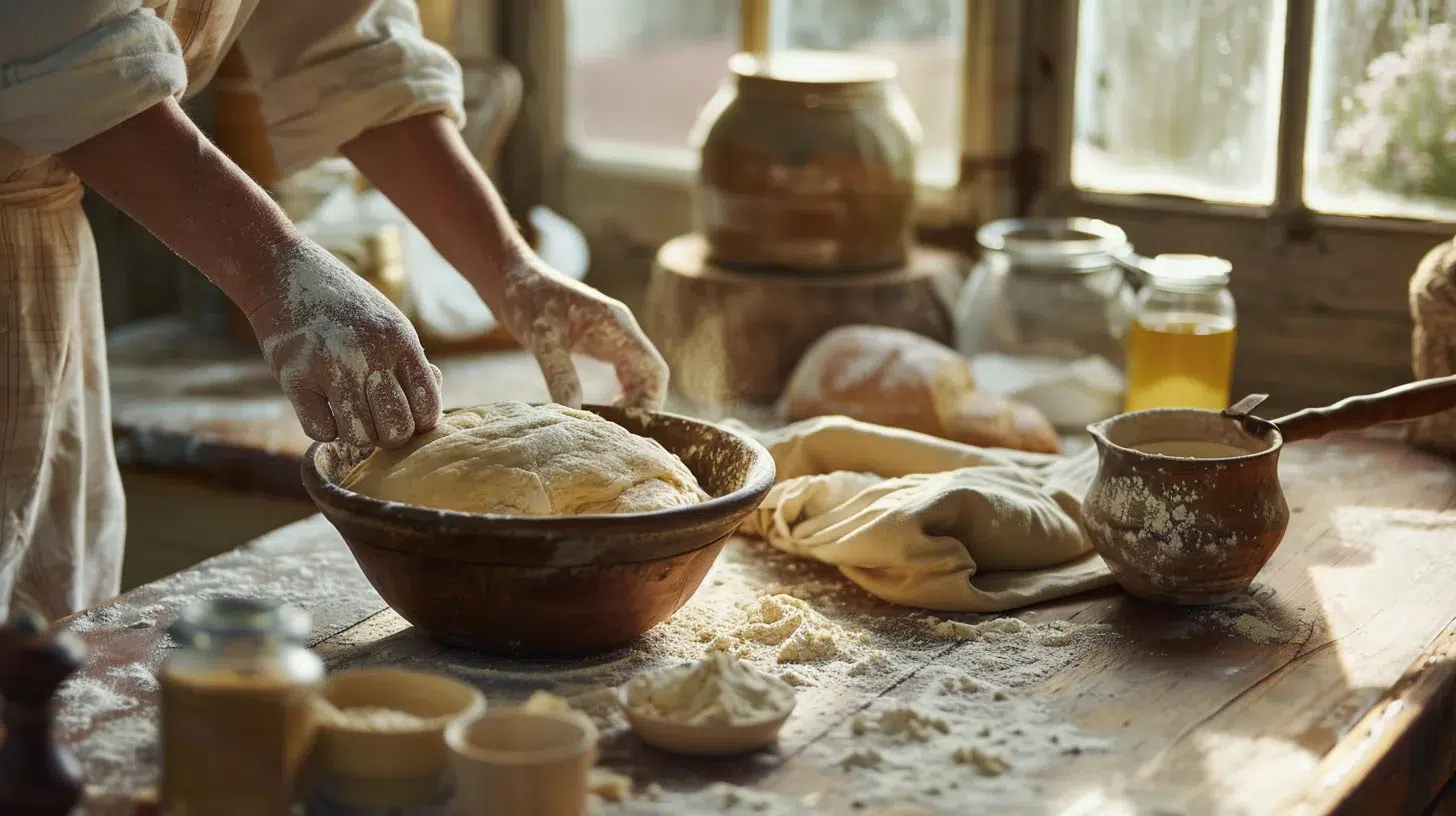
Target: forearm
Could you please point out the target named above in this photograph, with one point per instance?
(161, 170)
(426, 170)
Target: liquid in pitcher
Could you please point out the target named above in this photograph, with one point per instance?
(1180, 361)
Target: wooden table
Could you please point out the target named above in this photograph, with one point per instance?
(1349, 710)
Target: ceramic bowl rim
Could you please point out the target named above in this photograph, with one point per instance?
(1098, 431)
(760, 477)
(476, 707)
(455, 739)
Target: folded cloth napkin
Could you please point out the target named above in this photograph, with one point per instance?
(922, 521)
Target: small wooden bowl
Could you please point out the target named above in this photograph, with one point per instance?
(513, 761)
(356, 764)
(563, 586)
(704, 740)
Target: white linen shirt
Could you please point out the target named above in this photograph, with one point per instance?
(327, 70)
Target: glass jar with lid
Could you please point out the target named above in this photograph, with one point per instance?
(1180, 349)
(1044, 314)
(237, 708)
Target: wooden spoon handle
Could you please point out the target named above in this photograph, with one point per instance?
(1399, 404)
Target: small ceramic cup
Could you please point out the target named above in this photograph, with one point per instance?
(512, 762)
(358, 761)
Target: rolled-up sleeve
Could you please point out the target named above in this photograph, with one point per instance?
(327, 72)
(70, 70)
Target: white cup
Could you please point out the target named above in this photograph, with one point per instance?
(511, 762)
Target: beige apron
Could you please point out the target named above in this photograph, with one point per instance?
(62, 521)
(327, 72)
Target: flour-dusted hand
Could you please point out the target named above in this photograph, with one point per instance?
(553, 316)
(347, 359)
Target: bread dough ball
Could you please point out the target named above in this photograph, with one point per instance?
(510, 458)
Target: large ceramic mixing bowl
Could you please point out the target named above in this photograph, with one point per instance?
(547, 586)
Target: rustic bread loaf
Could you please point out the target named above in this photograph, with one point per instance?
(904, 380)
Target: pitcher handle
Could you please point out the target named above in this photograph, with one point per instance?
(1399, 404)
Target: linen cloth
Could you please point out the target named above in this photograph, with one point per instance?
(926, 522)
(70, 69)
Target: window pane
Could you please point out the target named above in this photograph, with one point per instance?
(638, 71)
(925, 38)
(1179, 97)
(1382, 130)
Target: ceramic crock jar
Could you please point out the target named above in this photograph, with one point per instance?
(808, 163)
(1045, 312)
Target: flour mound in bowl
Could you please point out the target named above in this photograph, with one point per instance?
(510, 458)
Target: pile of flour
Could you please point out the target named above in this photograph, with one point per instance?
(789, 628)
(719, 690)
(373, 719)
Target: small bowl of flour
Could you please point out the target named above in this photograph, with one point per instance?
(715, 707)
(380, 739)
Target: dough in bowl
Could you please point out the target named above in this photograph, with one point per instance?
(510, 458)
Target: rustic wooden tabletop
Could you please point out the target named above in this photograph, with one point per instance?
(1328, 689)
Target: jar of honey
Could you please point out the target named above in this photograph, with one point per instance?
(237, 708)
(1180, 347)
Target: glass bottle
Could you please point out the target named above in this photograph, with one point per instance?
(237, 708)
(1180, 348)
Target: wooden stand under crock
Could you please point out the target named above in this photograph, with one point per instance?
(734, 337)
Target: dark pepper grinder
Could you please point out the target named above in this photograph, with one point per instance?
(37, 776)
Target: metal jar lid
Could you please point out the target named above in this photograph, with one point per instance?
(232, 618)
(1176, 272)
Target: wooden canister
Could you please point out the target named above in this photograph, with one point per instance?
(808, 163)
(734, 337)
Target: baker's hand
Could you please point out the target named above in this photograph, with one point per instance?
(347, 359)
(552, 316)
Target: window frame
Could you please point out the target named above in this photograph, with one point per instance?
(633, 195)
(1323, 302)
(1290, 146)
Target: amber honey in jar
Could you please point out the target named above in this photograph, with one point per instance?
(1180, 346)
(237, 709)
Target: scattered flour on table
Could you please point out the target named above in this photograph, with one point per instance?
(966, 734)
(807, 590)
(789, 628)
(1259, 630)
(1248, 619)
(314, 580)
(719, 690)
(981, 685)
(83, 698)
(717, 798)
(136, 674)
(120, 756)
